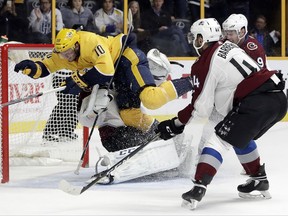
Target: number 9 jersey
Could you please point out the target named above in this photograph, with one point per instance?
(216, 75)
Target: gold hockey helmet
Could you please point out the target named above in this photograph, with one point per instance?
(66, 39)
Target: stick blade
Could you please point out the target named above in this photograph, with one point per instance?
(69, 188)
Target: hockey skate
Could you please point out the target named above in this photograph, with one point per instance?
(195, 195)
(256, 187)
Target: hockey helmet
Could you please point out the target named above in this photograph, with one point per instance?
(159, 65)
(235, 22)
(208, 28)
(66, 39)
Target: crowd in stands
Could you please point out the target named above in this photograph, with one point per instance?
(161, 24)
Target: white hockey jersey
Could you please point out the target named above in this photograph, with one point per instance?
(216, 75)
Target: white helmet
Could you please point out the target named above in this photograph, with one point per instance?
(236, 22)
(159, 65)
(209, 28)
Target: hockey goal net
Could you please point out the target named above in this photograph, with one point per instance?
(39, 131)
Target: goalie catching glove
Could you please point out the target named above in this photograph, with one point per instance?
(92, 105)
(168, 129)
(32, 69)
(102, 101)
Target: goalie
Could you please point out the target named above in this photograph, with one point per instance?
(119, 139)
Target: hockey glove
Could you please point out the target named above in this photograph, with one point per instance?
(75, 84)
(32, 69)
(168, 129)
(102, 100)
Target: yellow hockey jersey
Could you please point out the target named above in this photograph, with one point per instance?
(95, 51)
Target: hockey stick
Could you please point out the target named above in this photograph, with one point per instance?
(177, 63)
(65, 186)
(87, 144)
(31, 96)
(130, 22)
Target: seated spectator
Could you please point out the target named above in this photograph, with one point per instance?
(108, 19)
(269, 40)
(140, 33)
(166, 37)
(143, 4)
(11, 25)
(76, 15)
(177, 8)
(40, 22)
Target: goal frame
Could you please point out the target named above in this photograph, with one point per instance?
(5, 110)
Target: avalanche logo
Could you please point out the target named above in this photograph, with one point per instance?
(252, 46)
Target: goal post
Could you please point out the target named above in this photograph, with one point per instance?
(40, 131)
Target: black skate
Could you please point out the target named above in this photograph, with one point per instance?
(195, 195)
(256, 186)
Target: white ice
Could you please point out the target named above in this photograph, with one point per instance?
(34, 190)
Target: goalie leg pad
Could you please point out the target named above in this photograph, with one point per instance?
(158, 156)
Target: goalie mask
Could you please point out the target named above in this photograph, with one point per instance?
(235, 22)
(159, 65)
(209, 29)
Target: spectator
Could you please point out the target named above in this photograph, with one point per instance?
(12, 26)
(108, 19)
(40, 22)
(140, 33)
(143, 4)
(178, 9)
(167, 38)
(270, 41)
(239, 7)
(76, 15)
(218, 9)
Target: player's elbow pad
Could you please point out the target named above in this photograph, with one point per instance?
(155, 97)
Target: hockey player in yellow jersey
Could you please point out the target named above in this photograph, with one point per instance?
(92, 58)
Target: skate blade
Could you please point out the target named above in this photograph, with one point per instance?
(261, 195)
(189, 205)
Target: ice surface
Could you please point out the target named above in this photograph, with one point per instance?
(34, 190)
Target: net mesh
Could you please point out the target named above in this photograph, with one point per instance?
(42, 130)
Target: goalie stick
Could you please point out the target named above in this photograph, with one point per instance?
(31, 96)
(77, 190)
(87, 144)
